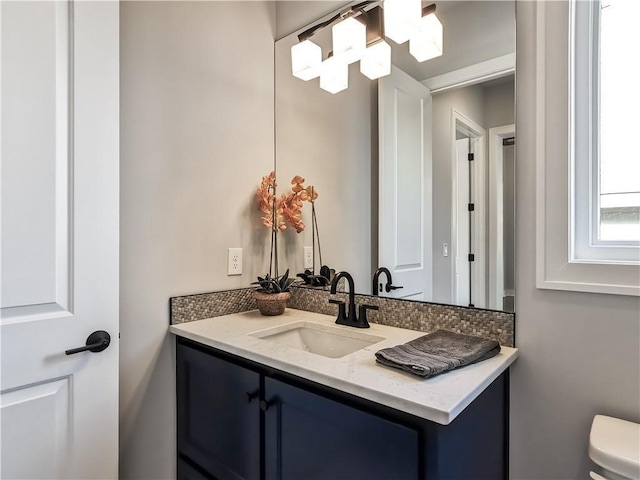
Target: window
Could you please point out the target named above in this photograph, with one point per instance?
(618, 215)
(605, 161)
(588, 163)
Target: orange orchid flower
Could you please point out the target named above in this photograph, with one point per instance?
(286, 208)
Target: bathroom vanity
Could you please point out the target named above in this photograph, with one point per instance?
(254, 403)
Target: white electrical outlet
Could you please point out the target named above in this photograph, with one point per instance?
(234, 261)
(308, 257)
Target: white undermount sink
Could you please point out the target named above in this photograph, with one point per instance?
(326, 340)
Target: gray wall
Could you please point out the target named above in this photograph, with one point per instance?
(579, 352)
(509, 215)
(196, 136)
(499, 99)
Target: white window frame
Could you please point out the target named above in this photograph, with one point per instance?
(564, 162)
(584, 146)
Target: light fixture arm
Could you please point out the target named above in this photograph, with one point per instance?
(429, 9)
(352, 11)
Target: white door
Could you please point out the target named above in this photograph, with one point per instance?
(469, 186)
(59, 216)
(461, 248)
(405, 199)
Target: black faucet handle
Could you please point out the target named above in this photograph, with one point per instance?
(342, 310)
(362, 314)
(364, 308)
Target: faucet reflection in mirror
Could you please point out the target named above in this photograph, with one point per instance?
(358, 34)
(376, 288)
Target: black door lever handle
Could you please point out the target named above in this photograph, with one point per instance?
(96, 342)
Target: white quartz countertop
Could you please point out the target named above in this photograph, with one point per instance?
(439, 399)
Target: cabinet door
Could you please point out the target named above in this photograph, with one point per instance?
(218, 424)
(188, 472)
(310, 437)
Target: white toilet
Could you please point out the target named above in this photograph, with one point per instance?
(614, 445)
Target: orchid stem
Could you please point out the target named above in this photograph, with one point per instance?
(313, 238)
(314, 227)
(273, 257)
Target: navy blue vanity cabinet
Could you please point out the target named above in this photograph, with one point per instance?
(218, 417)
(311, 437)
(239, 419)
(186, 471)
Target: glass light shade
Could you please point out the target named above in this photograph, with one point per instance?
(376, 62)
(349, 40)
(401, 19)
(427, 42)
(306, 58)
(334, 75)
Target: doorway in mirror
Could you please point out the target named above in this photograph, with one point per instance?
(467, 184)
(468, 216)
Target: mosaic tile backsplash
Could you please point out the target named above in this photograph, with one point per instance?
(209, 305)
(420, 316)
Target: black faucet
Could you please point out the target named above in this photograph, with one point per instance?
(388, 287)
(349, 318)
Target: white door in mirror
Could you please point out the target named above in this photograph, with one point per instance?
(405, 203)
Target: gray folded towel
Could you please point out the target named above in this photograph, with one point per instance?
(438, 352)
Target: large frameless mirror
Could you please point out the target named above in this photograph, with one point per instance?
(414, 171)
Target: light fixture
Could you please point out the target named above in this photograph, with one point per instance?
(349, 40)
(401, 19)
(306, 58)
(334, 75)
(358, 34)
(376, 61)
(426, 43)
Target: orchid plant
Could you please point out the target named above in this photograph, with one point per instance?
(287, 208)
(278, 212)
(269, 284)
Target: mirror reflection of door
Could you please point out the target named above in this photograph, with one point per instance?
(469, 219)
(463, 240)
(405, 184)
